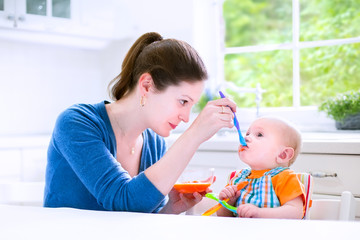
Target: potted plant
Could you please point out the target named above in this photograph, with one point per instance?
(344, 109)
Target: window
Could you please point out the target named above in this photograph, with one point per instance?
(301, 52)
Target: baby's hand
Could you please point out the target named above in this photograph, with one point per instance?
(229, 192)
(248, 211)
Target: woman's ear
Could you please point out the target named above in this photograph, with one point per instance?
(145, 83)
(285, 155)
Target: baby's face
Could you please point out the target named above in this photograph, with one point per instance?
(264, 139)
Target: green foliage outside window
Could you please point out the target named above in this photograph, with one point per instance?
(324, 71)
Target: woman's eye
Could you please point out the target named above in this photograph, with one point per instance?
(183, 102)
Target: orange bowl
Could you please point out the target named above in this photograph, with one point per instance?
(191, 187)
(192, 181)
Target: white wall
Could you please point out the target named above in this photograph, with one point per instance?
(38, 81)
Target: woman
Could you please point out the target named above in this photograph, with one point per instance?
(112, 156)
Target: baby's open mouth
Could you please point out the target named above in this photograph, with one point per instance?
(242, 148)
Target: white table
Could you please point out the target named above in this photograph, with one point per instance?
(24, 222)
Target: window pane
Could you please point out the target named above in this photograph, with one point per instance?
(254, 22)
(272, 69)
(324, 19)
(327, 71)
(1, 5)
(37, 7)
(61, 8)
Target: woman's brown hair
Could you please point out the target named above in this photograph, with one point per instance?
(168, 61)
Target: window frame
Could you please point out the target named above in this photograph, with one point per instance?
(300, 114)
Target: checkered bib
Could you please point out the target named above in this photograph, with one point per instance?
(259, 191)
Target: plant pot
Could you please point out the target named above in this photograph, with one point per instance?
(351, 122)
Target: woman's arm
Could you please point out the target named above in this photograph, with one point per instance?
(167, 170)
(83, 172)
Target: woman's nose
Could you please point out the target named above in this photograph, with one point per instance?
(185, 116)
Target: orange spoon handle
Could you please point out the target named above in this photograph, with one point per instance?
(213, 209)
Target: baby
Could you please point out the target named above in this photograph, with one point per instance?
(273, 190)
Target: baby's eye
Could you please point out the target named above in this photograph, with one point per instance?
(260, 135)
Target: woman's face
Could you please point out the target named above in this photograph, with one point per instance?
(264, 142)
(172, 106)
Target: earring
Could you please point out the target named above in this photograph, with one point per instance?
(142, 101)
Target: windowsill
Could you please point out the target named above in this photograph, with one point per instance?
(337, 142)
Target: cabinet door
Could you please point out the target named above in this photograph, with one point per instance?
(10, 165)
(38, 15)
(7, 13)
(45, 8)
(43, 15)
(342, 171)
(34, 164)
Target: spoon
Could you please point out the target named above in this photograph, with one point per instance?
(223, 203)
(215, 208)
(236, 123)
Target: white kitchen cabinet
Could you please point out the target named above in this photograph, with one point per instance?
(22, 169)
(39, 15)
(332, 173)
(64, 21)
(23, 159)
(34, 164)
(10, 165)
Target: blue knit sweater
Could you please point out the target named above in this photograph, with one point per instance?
(82, 171)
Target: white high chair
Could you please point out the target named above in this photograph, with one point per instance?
(342, 208)
(315, 209)
(304, 178)
(334, 209)
(307, 181)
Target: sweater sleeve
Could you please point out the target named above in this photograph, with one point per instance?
(81, 140)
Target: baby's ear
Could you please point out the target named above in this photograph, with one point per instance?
(285, 155)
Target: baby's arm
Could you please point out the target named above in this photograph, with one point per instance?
(232, 193)
(292, 209)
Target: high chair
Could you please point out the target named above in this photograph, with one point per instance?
(342, 209)
(304, 178)
(307, 180)
(326, 208)
(315, 209)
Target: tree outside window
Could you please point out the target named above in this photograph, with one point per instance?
(301, 52)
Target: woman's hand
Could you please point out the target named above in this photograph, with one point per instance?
(216, 115)
(181, 202)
